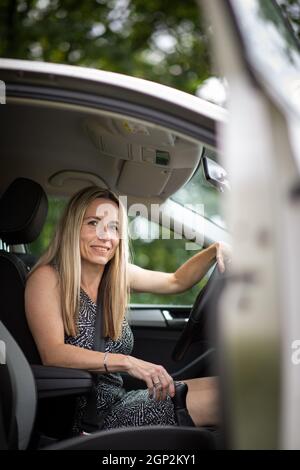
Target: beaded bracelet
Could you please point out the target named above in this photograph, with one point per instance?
(104, 362)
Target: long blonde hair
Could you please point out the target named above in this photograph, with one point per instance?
(64, 253)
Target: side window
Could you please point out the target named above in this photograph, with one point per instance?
(160, 252)
(56, 206)
(165, 252)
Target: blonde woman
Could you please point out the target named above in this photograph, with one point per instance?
(89, 252)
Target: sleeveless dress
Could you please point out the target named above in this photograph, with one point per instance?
(120, 408)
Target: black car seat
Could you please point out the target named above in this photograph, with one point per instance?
(18, 405)
(23, 210)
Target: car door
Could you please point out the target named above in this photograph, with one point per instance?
(259, 55)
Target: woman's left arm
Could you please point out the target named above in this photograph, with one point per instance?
(191, 272)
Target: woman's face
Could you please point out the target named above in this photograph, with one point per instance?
(99, 235)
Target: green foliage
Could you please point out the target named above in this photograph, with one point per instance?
(291, 10)
(56, 207)
(161, 40)
(163, 255)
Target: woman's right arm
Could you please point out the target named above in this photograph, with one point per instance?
(43, 312)
(44, 316)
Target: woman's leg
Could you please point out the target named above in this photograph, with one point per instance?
(203, 401)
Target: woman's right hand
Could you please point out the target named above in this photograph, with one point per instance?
(223, 255)
(160, 384)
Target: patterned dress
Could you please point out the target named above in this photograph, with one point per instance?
(120, 408)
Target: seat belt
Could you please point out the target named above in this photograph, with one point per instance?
(99, 340)
(92, 421)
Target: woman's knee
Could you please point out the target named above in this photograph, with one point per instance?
(203, 401)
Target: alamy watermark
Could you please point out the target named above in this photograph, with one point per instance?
(2, 352)
(180, 222)
(2, 92)
(295, 357)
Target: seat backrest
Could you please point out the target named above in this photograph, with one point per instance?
(17, 395)
(12, 310)
(23, 210)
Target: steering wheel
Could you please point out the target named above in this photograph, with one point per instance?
(203, 314)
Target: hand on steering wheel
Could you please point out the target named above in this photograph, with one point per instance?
(204, 308)
(223, 255)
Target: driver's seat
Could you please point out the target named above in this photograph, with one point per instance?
(18, 406)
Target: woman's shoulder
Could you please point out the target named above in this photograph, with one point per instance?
(44, 274)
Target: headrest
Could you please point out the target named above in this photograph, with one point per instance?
(23, 210)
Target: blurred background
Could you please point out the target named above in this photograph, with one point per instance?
(166, 41)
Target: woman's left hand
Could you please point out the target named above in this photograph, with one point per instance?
(223, 255)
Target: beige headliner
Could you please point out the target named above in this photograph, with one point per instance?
(64, 147)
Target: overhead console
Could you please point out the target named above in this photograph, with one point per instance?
(156, 162)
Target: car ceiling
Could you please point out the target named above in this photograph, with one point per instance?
(65, 147)
(68, 127)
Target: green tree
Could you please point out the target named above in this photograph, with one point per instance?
(161, 40)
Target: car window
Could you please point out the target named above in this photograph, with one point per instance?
(157, 248)
(200, 195)
(56, 206)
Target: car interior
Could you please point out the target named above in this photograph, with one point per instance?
(52, 150)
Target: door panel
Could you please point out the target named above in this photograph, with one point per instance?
(156, 331)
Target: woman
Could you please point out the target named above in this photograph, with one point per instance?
(89, 251)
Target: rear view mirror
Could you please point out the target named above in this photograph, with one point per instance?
(215, 174)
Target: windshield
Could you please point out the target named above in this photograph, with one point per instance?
(271, 48)
(200, 196)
